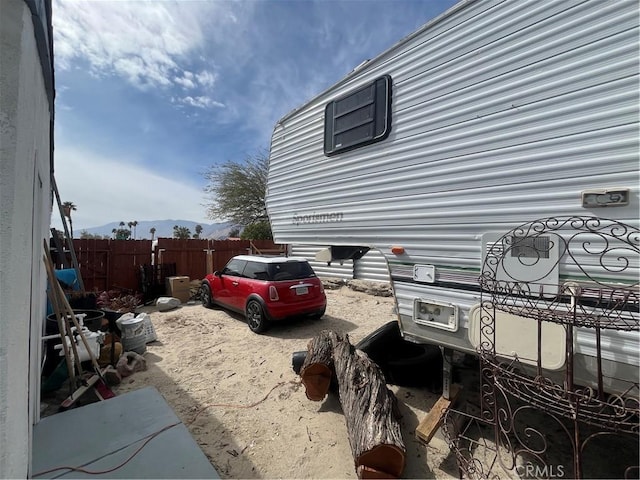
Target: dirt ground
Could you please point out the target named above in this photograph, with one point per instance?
(245, 406)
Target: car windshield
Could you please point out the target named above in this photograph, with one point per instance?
(290, 271)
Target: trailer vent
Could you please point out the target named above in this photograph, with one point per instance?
(358, 119)
(524, 258)
(530, 247)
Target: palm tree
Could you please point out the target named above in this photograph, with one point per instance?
(152, 231)
(115, 233)
(122, 233)
(68, 207)
(182, 233)
(135, 224)
(198, 231)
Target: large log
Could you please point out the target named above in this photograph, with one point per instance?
(317, 370)
(371, 413)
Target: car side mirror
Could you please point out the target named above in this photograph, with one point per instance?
(217, 273)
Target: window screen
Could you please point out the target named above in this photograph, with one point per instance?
(530, 247)
(360, 118)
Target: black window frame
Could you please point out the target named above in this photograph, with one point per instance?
(356, 104)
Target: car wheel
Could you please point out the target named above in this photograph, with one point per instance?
(255, 316)
(318, 315)
(205, 296)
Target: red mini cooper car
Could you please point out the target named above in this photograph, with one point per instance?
(265, 289)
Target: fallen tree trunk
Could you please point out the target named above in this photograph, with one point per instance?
(317, 370)
(371, 413)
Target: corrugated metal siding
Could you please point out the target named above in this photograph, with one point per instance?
(335, 270)
(372, 267)
(503, 112)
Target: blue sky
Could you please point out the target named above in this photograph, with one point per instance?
(149, 94)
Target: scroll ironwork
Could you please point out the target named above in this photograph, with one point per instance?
(581, 275)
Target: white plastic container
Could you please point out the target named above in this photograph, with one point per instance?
(149, 331)
(133, 336)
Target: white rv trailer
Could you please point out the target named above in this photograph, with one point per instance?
(494, 114)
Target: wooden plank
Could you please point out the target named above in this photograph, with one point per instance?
(93, 258)
(432, 422)
(81, 390)
(127, 256)
(190, 256)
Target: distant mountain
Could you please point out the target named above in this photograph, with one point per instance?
(164, 229)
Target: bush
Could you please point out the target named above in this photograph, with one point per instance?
(257, 231)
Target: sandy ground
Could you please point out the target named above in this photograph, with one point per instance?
(240, 398)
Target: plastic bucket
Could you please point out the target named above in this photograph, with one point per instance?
(136, 344)
(133, 334)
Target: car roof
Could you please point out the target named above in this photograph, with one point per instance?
(268, 259)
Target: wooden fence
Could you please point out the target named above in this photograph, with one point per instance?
(119, 264)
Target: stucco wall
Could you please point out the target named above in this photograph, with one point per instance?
(24, 221)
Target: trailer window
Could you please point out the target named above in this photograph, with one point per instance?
(360, 118)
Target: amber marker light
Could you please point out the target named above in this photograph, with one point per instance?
(397, 250)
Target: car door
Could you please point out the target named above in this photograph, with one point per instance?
(249, 282)
(226, 288)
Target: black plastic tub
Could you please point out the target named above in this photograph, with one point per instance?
(403, 363)
(92, 320)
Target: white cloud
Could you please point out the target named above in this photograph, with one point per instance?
(107, 190)
(201, 102)
(186, 80)
(206, 79)
(144, 42)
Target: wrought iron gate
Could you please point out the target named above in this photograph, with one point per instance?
(558, 344)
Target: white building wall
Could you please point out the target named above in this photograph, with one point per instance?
(25, 210)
